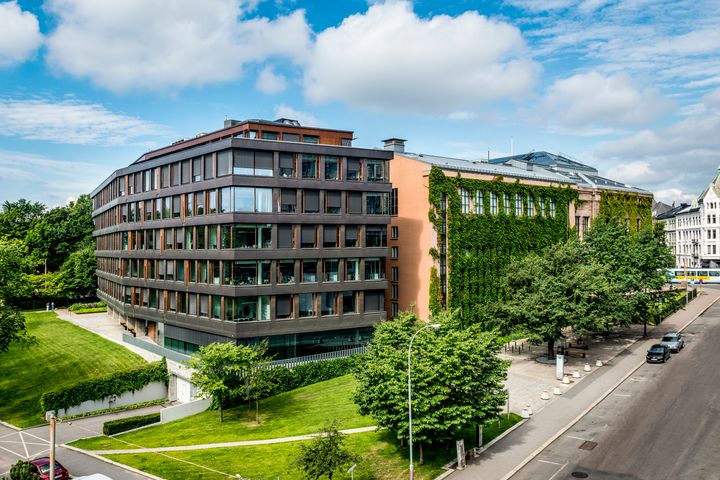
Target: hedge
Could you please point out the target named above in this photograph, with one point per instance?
(283, 379)
(124, 424)
(99, 388)
(84, 306)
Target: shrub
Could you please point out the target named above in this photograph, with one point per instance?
(84, 306)
(124, 424)
(99, 388)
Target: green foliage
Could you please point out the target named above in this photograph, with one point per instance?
(283, 379)
(98, 388)
(325, 455)
(13, 266)
(22, 471)
(227, 371)
(435, 302)
(456, 375)
(75, 307)
(17, 218)
(479, 247)
(124, 424)
(12, 328)
(562, 287)
(626, 208)
(77, 274)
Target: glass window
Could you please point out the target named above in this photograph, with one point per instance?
(245, 273)
(541, 206)
(493, 203)
(175, 173)
(244, 199)
(263, 200)
(264, 272)
(311, 201)
(288, 200)
(506, 203)
(166, 207)
(518, 205)
(308, 236)
(200, 237)
(351, 235)
(464, 200)
(332, 168)
(376, 170)
(176, 206)
(331, 270)
(286, 236)
(332, 201)
(286, 271)
(531, 206)
(243, 162)
(309, 271)
(226, 205)
(212, 201)
(224, 163)
(283, 306)
(165, 176)
(269, 135)
(245, 309)
(264, 164)
(349, 302)
(353, 171)
(287, 164)
(203, 306)
(208, 164)
(185, 171)
(329, 300)
(291, 137)
(212, 236)
(376, 203)
(307, 305)
(376, 236)
(216, 304)
(309, 166)
(189, 204)
(264, 307)
(226, 236)
(352, 269)
(199, 203)
(245, 236)
(196, 169)
(180, 271)
(311, 139)
(330, 236)
(374, 269)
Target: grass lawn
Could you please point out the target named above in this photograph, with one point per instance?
(382, 459)
(298, 412)
(64, 355)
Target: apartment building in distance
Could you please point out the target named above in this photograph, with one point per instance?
(458, 222)
(259, 230)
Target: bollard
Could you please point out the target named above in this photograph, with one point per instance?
(598, 363)
(544, 395)
(557, 391)
(529, 410)
(587, 368)
(576, 374)
(565, 380)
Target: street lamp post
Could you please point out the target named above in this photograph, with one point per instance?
(430, 325)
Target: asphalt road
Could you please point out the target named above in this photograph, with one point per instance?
(663, 422)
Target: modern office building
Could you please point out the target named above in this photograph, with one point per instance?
(456, 223)
(260, 230)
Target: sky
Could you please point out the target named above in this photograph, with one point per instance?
(631, 87)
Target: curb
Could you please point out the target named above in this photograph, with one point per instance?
(111, 462)
(594, 404)
(4, 424)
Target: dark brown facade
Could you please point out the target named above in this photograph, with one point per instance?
(240, 239)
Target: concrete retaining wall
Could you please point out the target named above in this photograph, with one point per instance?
(151, 391)
(184, 410)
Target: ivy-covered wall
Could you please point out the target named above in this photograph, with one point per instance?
(481, 245)
(627, 207)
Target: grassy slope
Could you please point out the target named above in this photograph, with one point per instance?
(65, 354)
(382, 459)
(301, 411)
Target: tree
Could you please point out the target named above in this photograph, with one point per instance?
(77, 275)
(325, 454)
(17, 218)
(22, 471)
(456, 375)
(13, 264)
(12, 328)
(562, 287)
(222, 370)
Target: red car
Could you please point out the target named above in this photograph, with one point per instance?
(41, 466)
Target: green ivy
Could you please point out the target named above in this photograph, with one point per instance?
(480, 246)
(435, 295)
(99, 388)
(627, 207)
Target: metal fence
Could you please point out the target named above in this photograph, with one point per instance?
(155, 348)
(320, 357)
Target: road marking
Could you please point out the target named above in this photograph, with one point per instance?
(14, 453)
(559, 470)
(578, 438)
(623, 395)
(548, 461)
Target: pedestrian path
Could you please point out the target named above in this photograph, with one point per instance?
(206, 446)
(510, 453)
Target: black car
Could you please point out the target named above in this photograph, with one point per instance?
(658, 354)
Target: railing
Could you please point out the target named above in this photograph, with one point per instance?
(320, 357)
(156, 349)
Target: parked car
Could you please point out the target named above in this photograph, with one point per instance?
(674, 341)
(41, 466)
(658, 354)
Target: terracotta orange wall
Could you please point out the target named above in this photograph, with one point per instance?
(415, 236)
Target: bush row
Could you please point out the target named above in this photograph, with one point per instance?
(84, 306)
(283, 379)
(99, 388)
(124, 424)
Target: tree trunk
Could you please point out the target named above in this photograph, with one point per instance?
(221, 412)
(551, 349)
(257, 413)
(422, 457)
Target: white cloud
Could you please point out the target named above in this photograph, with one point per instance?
(390, 59)
(269, 82)
(51, 181)
(635, 172)
(596, 100)
(305, 119)
(20, 34)
(676, 195)
(158, 45)
(462, 115)
(541, 5)
(73, 122)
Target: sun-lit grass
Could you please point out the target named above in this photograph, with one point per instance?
(64, 355)
(298, 412)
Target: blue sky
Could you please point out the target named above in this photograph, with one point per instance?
(631, 87)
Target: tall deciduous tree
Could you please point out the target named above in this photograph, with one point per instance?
(562, 287)
(13, 265)
(12, 328)
(225, 371)
(457, 378)
(325, 455)
(77, 275)
(17, 218)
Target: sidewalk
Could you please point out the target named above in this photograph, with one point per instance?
(621, 353)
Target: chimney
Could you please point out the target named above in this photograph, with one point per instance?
(231, 123)
(530, 166)
(395, 144)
